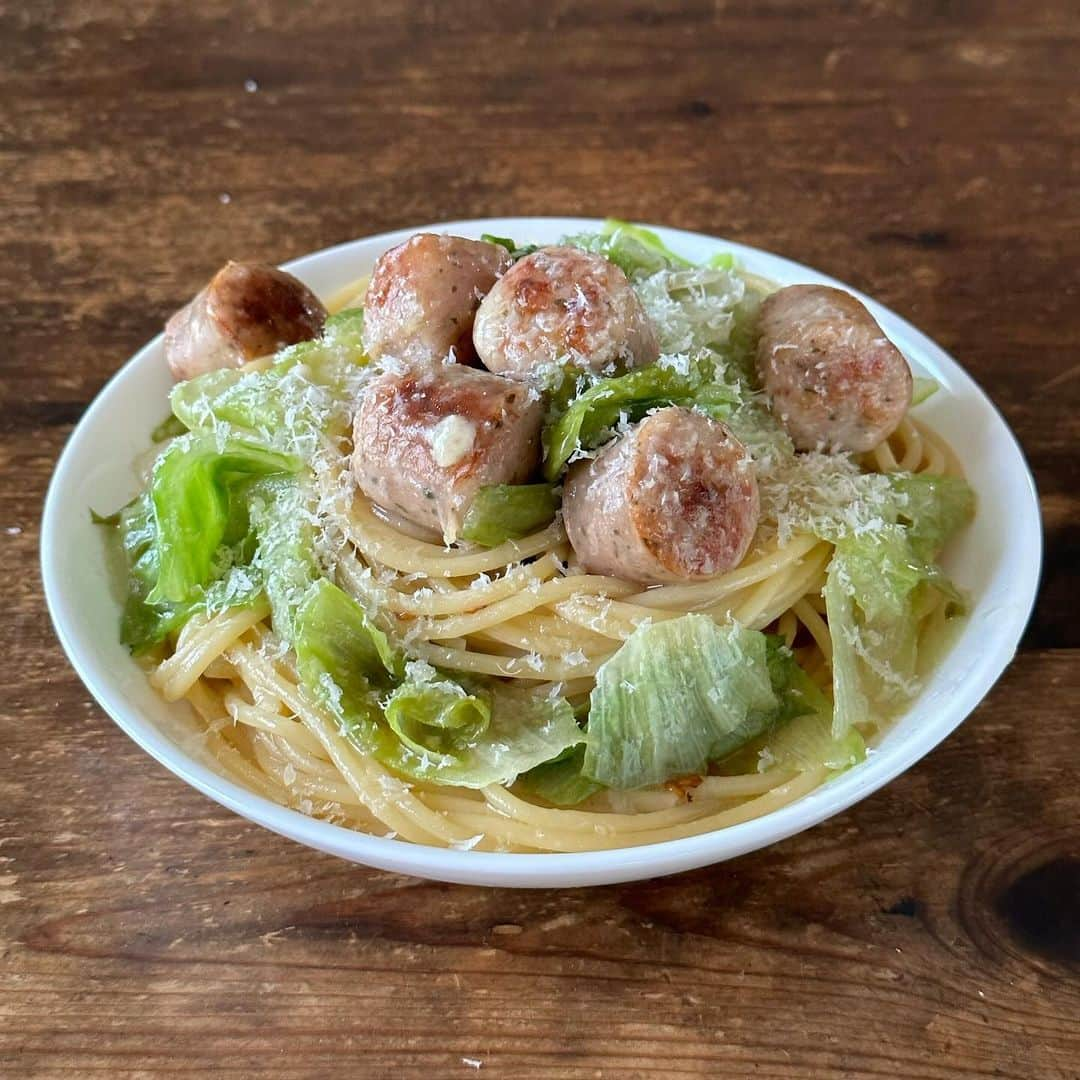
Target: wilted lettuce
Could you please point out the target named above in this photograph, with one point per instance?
(875, 585)
(807, 740)
(680, 694)
(922, 388)
(199, 497)
(500, 512)
(562, 781)
(635, 250)
(340, 653)
(474, 734)
(517, 251)
(143, 625)
(225, 518)
(932, 509)
(284, 562)
(413, 719)
(274, 556)
(295, 397)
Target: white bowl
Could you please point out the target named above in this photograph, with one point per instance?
(997, 560)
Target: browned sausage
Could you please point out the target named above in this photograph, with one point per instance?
(248, 310)
(562, 305)
(423, 296)
(834, 379)
(426, 438)
(674, 499)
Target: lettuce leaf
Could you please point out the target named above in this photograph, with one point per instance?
(343, 333)
(275, 406)
(922, 388)
(297, 395)
(169, 428)
(874, 587)
(678, 695)
(198, 492)
(561, 781)
(284, 563)
(213, 532)
(517, 251)
(501, 512)
(723, 260)
(635, 250)
(475, 735)
(873, 656)
(807, 741)
(413, 720)
(335, 638)
(430, 717)
(275, 556)
(143, 625)
(932, 509)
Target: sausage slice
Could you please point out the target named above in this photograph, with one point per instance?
(833, 377)
(674, 499)
(560, 305)
(248, 310)
(426, 438)
(424, 294)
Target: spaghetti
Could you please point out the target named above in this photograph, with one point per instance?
(521, 624)
(525, 615)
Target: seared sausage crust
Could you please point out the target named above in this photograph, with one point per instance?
(426, 438)
(423, 296)
(833, 377)
(559, 305)
(247, 310)
(674, 499)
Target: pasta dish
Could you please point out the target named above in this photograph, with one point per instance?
(558, 548)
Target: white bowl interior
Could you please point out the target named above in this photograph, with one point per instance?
(996, 560)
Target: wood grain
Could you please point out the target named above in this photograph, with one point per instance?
(927, 153)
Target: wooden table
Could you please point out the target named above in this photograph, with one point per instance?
(928, 153)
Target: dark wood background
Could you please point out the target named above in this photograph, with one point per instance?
(926, 152)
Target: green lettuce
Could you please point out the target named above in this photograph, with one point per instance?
(476, 735)
(922, 388)
(874, 655)
(561, 781)
(517, 251)
(807, 741)
(339, 649)
(143, 625)
(199, 497)
(501, 512)
(635, 250)
(874, 589)
(680, 694)
(284, 564)
(432, 717)
(723, 260)
(300, 393)
(169, 428)
(932, 509)
(273, 405)
(416, 722)
(219, 533)
(274, 557)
